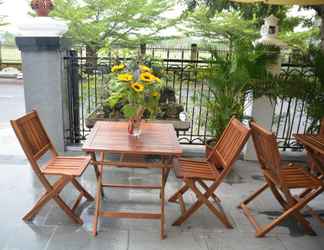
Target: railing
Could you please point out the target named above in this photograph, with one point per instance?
(90, 80)
(290, 115)
(87, 82)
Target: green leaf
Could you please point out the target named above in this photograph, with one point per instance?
(114, 99)
(129, 110)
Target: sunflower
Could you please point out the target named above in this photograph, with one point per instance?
(147, 77)
(157, 79)
(125, 77)
(118, 67)
(138, 87)
(155, 93)
(144, 68)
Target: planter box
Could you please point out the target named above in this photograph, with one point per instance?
(99, 116)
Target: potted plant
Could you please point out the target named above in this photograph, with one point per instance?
(229, 78)
(42, 7)
(225, 96)
(135, 86)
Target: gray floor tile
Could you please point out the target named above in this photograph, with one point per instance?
(235, 240)
(139, 240)
(302, 243)
(74, 237)
(27, 236)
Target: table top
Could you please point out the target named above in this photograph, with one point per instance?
(315, 142)
(155, 139)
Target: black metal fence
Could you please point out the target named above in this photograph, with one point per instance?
(88, 81)
(290, 115)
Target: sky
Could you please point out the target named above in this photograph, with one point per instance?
(16, 12)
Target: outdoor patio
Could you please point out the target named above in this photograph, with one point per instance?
(100, 80)
(52, 229)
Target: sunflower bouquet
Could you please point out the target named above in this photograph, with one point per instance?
(137, 87)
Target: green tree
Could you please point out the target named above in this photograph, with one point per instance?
(221, 26)
(320, 12)
(262, 10)
(256, 11)
(100, 23)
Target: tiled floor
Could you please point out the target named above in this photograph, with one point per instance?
(51, 229)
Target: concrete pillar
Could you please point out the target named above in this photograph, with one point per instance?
(262, 111)
(44, 83)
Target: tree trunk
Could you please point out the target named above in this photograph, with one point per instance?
(91, 59)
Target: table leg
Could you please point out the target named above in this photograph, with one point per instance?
(317, 163)
(164, 176)
(98, 196)
(95, 165)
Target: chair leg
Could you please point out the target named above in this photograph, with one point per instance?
(187, 213)
(57, 187)
(204, 186)
(220, 214)
(290, 202)
(254, 195)
(180, 192)
(53, 193)
(299, 217)
(76, 219)
(81, 189)
(289, 211)
(315, 215)
(202, 199)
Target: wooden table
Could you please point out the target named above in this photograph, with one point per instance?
(112, 137)
(314, 145)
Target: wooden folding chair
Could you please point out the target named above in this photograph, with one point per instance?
(310, 161)
(213, 169)
(36, 143)
(281, 179)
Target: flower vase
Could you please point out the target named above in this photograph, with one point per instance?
(134, 123)
(134, 127)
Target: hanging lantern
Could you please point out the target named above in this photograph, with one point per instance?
(269, 33)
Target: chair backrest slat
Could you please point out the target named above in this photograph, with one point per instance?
(32, 136)
(266, 148)
(229, 145)
(321, 132)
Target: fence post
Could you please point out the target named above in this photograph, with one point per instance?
(73, 85)
(194, 52)
(142, 49)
